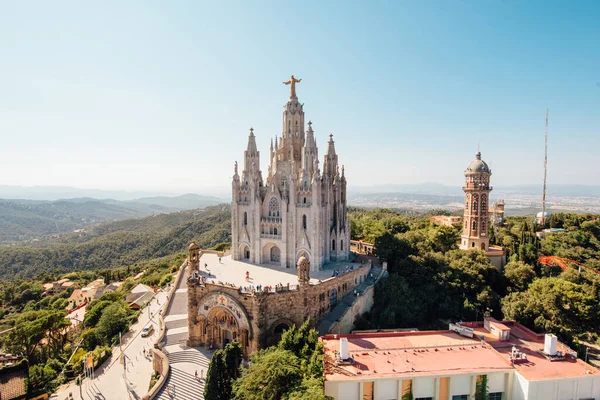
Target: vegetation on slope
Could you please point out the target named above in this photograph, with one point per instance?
(120, 243)
(432, 281)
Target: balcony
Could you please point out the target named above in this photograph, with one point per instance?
(269, 236)
(271, 220)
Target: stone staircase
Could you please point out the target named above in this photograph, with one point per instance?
(174, 338)
(189, 356)
(181, 385)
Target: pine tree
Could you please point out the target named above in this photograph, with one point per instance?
(216, 378)
(223, 369)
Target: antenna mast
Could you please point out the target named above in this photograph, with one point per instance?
(545, 172)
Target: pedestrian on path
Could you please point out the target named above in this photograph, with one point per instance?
(201, 374)
(196, 374)
(219, 260)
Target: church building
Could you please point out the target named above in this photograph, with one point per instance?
(298, 210)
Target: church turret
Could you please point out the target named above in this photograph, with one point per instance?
(331, 159)
(251, 155)
(293, 125)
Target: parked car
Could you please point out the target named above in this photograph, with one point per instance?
(147, 331)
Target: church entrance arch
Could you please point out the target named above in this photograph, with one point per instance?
(275, 254)
(271, 253)
(245, 252)
(222, 320)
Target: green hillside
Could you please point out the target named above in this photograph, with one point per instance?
(118, 243)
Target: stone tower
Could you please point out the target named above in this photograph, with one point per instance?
(298, 211)
(477, 193)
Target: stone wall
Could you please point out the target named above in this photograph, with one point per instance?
(361, 305)
(265, 311)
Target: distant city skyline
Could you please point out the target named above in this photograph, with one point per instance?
(160, 97)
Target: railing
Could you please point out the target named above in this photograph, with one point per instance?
(269, 236)
(271, 220)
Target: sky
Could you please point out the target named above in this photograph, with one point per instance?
(160, 96)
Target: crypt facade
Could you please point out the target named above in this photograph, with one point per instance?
(299, 209)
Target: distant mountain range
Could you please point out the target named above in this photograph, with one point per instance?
(25, 220)
(432, 188)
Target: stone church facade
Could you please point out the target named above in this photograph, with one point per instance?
(298, 210)
(296, 217)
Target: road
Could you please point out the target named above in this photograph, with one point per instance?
(111, 380)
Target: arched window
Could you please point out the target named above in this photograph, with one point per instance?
(341, 245)
(474, 205)
(472, 244)
(304, 201)
(483, 227)
(482, 246)
(304, 222)
(274, 207)
(275, 231)
(333, 244)
(245, 218)
(474, 225)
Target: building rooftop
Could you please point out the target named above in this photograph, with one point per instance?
(397, 354)
(536, 365)
(383, 355)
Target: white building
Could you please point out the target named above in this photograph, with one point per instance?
(517, 363)
(298, 210)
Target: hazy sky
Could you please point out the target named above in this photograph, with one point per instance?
(157, 95)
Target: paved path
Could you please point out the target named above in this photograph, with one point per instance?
(184, 361)
(228, 270)
(111, 382)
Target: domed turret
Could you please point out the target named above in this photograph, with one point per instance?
(475, 218)
(193, 246)
(477, 166)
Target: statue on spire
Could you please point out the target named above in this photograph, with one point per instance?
(292, 82)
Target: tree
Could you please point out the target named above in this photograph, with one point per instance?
(217, 379)
(223, 369)
(113, 320)
(519, 275)
(272, 373)
(554, 305)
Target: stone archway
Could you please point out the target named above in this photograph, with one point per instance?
(275, 254)
(271, 253)
(276, 330)
(244, 252)
(222, 319)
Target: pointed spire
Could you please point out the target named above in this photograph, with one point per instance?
(343, 169)
(330, 146)
(235, 168)
(251, 143)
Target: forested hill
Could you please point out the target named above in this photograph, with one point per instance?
(28, 220)
(117, 244)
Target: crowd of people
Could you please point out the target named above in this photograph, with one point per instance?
(336, 271)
